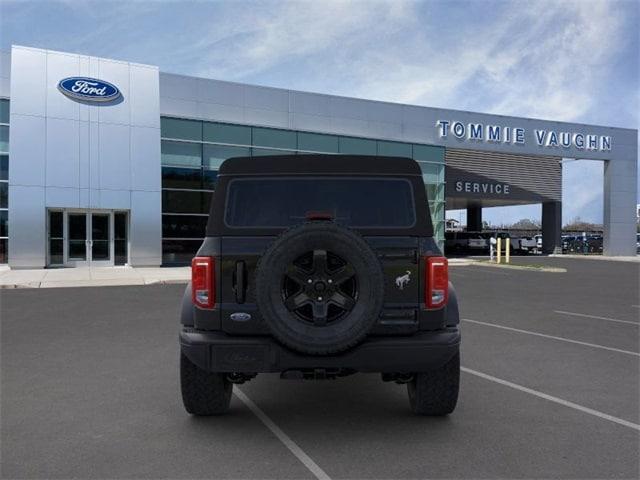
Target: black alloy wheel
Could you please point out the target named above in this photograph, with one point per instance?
(320, 288)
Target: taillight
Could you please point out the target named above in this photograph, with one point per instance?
(436, 290)
(203, 282)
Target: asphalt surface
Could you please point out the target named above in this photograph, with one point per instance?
(90, 390)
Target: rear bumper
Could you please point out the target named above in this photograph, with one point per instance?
(218, 352)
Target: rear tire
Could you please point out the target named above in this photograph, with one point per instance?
(435, 393)
(203, 393)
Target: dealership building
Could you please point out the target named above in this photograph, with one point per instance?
(108, 162)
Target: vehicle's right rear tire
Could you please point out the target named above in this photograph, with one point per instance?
(203, 393)
(435, 393)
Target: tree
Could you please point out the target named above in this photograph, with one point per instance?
(525, 224)
(579, 225)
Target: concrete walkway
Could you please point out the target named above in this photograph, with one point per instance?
(92, 277)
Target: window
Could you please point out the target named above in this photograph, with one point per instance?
(357, 146)
(4, 195)
(261, 152)
(209, 178)
(214, 155)
(182, 129)
(181, 153)
(428, 153)
(4, 139)
(184, 226)
(181, 201)
(4, 180)
(357, 202)
(4, 221)
(317, 143)
(120, 243)
(224, 133)
(272, 137)
(394, 149)
(174, 177)
(4, 167)
(179, 251)
(4, 111)
(432, 172)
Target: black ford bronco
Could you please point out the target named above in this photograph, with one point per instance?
(319, 266)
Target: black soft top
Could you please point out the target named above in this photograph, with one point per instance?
(312, 164)
(325, 165)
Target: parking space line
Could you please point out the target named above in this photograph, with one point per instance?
(596, 317)
(551, 398)
(283, 437)
(493, 270)
(562, 339)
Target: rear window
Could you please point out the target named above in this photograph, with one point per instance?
(355, 202)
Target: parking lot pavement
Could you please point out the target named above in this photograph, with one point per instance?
(90, 390)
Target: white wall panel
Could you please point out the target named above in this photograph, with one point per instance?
(59, 66)
(303, 121)
(179, 107)
(223, 93)
(62, 197)
(5, 87)
(84, 148)
(144, 97)
(310, 103)
(271, 118)
(179, 87)
(63, 153)
(265, 98)
(27, 142)
(83, 198)
(5, 64)
(341, 107)
(115, 155)
(145, 155)
(115, 199)
(29, 81)
(146, 228)
(118, 74)
(28, 228)
(223, 113)
(94, 155)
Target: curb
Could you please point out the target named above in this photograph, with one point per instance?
(96, 283)
(521, 267)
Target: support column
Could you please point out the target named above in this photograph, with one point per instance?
(620, 193)
(474, 218)
(551, 227)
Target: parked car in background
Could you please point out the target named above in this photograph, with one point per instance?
(474, 243)
(538, 247)
(529, 245)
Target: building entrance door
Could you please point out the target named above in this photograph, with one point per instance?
(87, 238)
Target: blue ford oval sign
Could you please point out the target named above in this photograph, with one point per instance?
(89, 89)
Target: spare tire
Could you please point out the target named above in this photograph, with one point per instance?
(319, 288)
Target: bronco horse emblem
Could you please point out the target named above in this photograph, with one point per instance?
(402, 280)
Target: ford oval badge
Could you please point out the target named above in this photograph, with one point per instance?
(89, 89)
(240, 317)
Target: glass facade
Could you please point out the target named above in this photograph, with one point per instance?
(192, 152)
(4, 180)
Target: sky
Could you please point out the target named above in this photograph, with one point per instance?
(558, 60)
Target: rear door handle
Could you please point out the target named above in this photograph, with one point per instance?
(240, 282)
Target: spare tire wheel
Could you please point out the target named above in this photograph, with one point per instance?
(320, 288)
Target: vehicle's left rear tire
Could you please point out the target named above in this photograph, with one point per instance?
(203, 393)
(435, 393)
